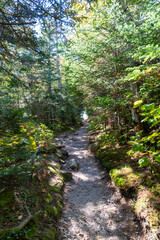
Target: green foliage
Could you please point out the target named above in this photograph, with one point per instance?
(17, 149)
(147, 53)
(144, 162)
(157, 158)
(149, 144)
(138, 147)
(115, 55)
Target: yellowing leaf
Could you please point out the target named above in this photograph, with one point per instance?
(137, 103)
(149, 70)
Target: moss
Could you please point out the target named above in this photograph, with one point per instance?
(48, 198)
(156, 189)
(149, 182)
(6, 198)
(55, 189)
(117, 178)
(50, 234)
(4, 233)
(56, 212)
(53, 210)
(121, 183)
(124, 177)
(1, 218)
(154, 219)
(143, 205)
(53, 169)
(30, 232)
(49, 209)
(59, 185)
(9, 233)
(59, 204)
(13, 233)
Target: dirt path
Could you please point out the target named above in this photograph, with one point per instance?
(92, 206)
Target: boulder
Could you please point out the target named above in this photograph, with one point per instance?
(67, 175)
(73, 164)
(63, 154)
(56, 181)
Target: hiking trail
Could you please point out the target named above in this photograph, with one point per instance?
(93, 207)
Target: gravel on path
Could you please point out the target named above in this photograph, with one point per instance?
(92, 206)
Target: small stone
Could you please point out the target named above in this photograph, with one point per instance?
(103, 177)
(81, 235)
(20, 217)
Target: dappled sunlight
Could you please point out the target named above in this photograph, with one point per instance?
(92, 207)
(82, 176)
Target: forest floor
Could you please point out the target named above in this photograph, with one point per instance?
(93, 208)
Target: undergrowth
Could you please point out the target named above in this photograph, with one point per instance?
(139, 184)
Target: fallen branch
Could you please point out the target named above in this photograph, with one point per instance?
(2, 190)
(4, 232)
(26, 220)
(17, 23)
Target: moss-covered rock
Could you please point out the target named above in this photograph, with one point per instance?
(145, 206)
(67, 176)
(125, 177)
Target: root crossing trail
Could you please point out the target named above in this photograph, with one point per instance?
(93, 209)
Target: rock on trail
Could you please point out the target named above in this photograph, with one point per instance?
(93, 209)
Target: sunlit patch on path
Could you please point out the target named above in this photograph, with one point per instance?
(92, 208)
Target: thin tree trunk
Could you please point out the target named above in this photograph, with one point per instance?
(58, 64)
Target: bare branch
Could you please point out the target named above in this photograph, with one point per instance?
(15, 24)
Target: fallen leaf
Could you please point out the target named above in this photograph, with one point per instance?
(117, 220)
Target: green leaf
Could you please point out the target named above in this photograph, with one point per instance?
(148, 107)
(152, 149)
(137, 103)
(138, 147)
(144, 162)
(157, 158)
(154, 122)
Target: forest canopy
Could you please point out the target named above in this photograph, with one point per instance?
(59, 58)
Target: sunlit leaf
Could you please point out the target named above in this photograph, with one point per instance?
(144, 162)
